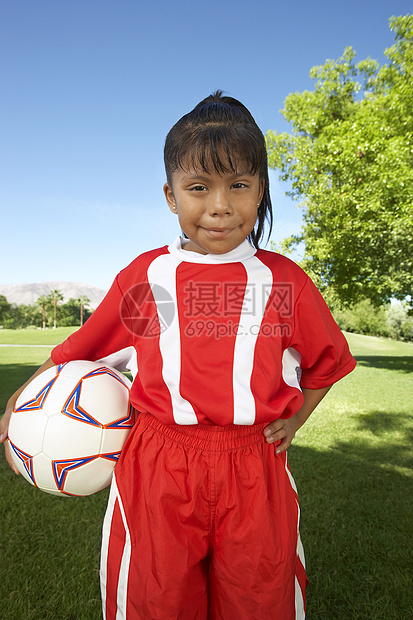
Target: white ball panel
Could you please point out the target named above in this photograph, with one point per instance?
(105, 398)
(89, 478)
(68, 438)
(27, 429)
(43, 474)
(113, 439)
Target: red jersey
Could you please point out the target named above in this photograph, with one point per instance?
(214, 339)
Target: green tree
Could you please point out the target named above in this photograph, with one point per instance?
(74, 311)
(400, 324)
(43, 302)
(349, 159)
(68, 313)
(28, 315)
(5, 310)
(363, 318)
(55, 298)
(83, 301)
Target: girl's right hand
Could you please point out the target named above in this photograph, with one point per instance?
(4, 428)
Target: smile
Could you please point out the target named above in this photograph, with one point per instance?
(218, 232)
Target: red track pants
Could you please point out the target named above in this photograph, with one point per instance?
(202, 524)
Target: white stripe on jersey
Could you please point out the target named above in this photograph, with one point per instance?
(291, 368)
(123, 576)
(260, 277)
(162, 271)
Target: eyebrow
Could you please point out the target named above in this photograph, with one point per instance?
(204, 176)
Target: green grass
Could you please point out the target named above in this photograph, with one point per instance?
(352, 464)
(49, 546)
(35, 336)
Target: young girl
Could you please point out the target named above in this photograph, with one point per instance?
(231, 348)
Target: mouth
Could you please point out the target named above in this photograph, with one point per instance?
(218, 232)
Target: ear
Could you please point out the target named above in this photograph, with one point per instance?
(170, 198)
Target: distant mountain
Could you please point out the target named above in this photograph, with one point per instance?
(29, 293)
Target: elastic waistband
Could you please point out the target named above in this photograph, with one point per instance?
(207, 437)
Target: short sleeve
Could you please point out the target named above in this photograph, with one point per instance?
(102, 336)
(325, 355)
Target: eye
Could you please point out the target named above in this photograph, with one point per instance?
(198, 188)
(239, 185)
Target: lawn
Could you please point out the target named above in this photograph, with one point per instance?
(352, 464)
(35, 336)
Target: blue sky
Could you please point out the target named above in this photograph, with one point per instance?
(90, 88)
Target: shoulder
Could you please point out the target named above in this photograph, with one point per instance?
(137, 269)
(278, 260)
(283, 268)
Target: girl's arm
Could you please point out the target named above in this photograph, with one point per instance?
(284, 430)
(5, 420)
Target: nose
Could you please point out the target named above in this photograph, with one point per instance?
(220, 204)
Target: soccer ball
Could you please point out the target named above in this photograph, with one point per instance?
(69, 425)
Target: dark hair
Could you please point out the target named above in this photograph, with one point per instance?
(221, 132)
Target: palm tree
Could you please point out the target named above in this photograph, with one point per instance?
(83, 301)
(43, 302)
(55, 296)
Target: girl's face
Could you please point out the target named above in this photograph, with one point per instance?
(216, 212)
